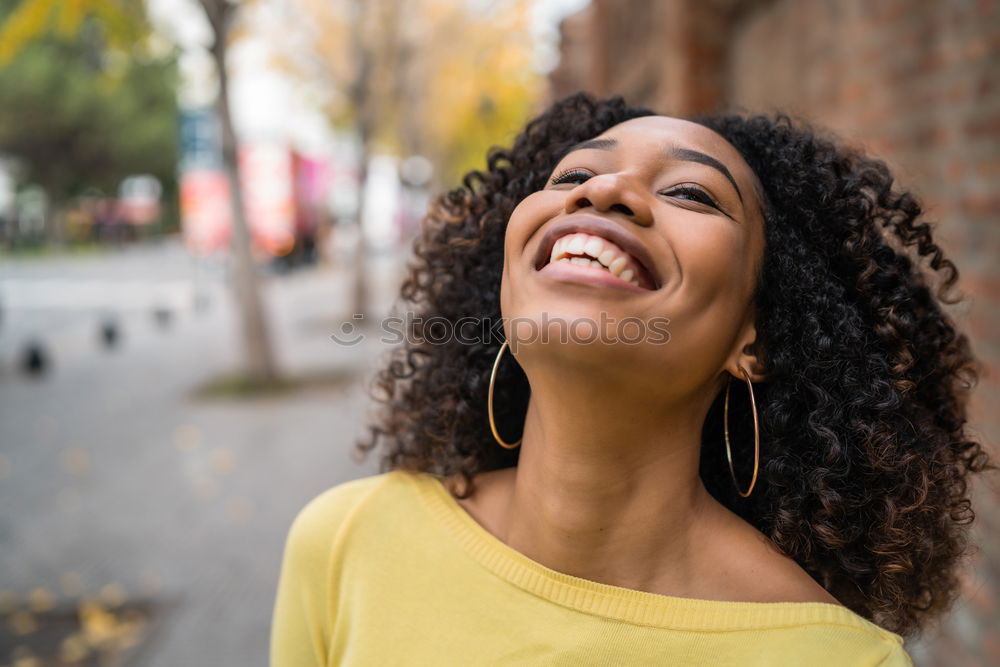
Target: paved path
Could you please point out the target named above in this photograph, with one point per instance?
(111, 474)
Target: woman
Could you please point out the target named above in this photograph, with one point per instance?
(572, 474)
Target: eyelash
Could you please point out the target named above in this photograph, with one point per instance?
(701, 196)
(698, 194)
(568, 175)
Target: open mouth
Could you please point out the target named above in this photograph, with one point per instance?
(589, 250)
(599, 244)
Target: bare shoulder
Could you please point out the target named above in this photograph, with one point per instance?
(755, 570)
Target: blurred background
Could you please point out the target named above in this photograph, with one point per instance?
(196, 194)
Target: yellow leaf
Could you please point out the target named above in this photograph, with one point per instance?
(33, 19)
(27, 22)
(98, 624)
(70, 16)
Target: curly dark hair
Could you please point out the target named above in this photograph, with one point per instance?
(866, 457)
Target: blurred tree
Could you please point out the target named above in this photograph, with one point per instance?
(77, 114)
(439, 78)
(471, 83)
(123, 23)
(259, 360)
(71, 127)
(354, 45)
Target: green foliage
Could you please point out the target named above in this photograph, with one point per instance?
(76, 115)
(123, 22)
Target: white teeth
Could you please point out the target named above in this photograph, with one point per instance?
(625, 275)
(593, 247)
(607, 257)
(600, 255)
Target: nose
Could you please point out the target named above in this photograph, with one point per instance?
(610, 192)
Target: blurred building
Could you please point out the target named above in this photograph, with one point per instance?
(915, 83)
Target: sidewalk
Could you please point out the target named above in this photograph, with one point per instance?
(113, 478)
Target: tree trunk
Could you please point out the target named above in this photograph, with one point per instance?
(360, 291)
(258, 354)
(360, 100)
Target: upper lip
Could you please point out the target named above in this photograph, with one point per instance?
(592, 224)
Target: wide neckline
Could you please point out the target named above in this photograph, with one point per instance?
(616, 602)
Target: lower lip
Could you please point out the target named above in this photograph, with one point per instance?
(587, 275)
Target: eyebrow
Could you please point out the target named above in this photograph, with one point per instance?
(595, 144)
(694, 156)
(676, 152)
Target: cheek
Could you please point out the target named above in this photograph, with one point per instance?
(717, 266)
(523, 227)
(527, 216)
(708, 307)
(523, 220)
(716, 259)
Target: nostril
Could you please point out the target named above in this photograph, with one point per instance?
(622, 208)
(583, 202)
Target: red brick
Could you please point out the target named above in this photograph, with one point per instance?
(934, 136)
(976, 48)
(986, 168)
(986, 86)
(956, 169)
(980, 205)
(986, 127)
(981, 286)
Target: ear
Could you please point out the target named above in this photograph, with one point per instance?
(747, 355)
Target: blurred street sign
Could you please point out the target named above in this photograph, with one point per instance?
(267, 176)
(269, 195)
(201, 141)
(206, 211)
(139, 199)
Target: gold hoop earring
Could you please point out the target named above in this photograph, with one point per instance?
(756, 436)
(489, 402)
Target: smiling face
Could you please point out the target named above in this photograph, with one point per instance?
(656, 219)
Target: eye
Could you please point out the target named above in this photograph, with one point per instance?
(575, 176)
(693, 194)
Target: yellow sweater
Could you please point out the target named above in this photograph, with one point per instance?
(391, 570)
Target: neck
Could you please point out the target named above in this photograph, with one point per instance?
(607, 485)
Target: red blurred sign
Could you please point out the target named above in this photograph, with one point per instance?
(267, 178)
(205, 210)
(269, 196)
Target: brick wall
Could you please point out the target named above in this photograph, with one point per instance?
(915, 82)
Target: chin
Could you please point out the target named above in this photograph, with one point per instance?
(585, 336)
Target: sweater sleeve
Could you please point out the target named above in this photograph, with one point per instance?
(304, 610)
